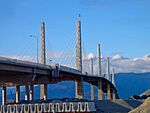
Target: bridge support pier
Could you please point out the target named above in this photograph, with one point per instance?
(79, 90)
(108, 92)
(41, 91)
(31, 92)
(100, 91)
(45, 91)
(114, 95)
(26, 92)
(3, 95)
(17, 94)
(92, 92)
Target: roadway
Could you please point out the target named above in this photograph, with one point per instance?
(16, 72)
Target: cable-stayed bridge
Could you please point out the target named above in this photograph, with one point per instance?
(17, 72)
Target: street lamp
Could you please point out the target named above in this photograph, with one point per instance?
(50, 61)
(36, 47)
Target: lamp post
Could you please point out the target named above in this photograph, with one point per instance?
(50, 61)
(36, 47)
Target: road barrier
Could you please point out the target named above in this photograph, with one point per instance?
(49, 107)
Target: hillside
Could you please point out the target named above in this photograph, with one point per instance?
(144, 108)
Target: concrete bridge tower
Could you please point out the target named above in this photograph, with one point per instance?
(99, 61)
(43, 56)
(113, 76)
(79, 47)
(79, 92)
(108, 69)
(43, 87)
(92, 86)
(100, 91)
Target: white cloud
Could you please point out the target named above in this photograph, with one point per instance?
(121, 64)
(24, 58)
(132, 64)
(91, 55)
(117, 57)
(147, 57)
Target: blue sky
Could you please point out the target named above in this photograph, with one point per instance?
(120, 26)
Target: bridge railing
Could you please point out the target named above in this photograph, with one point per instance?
(74, 71)
(70, 70)
(27, 63)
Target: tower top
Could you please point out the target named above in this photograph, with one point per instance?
(79, 16)
(42, 22)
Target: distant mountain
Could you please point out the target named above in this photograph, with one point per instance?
(127, 84)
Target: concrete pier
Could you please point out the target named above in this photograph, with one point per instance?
(114, 95)
(45, 91)
(100, 91)
(31, 92)
(79, 91)
(92, 92)
(17, 94)
(41, 91)
(108, 92)
(3, 95)
(26, 92)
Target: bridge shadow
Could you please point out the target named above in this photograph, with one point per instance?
(133, 103)
(113, 106)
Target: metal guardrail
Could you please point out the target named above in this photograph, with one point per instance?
(68, 69)
(27, 63)
(49, 107)
(33, 64)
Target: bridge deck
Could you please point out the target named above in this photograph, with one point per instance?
(16, 72)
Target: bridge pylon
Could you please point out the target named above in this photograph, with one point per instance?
(108, 69)
(79, 91)
(99, 61)
(43, 87)
(113, 76)
(92, 86)
(100, 90)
